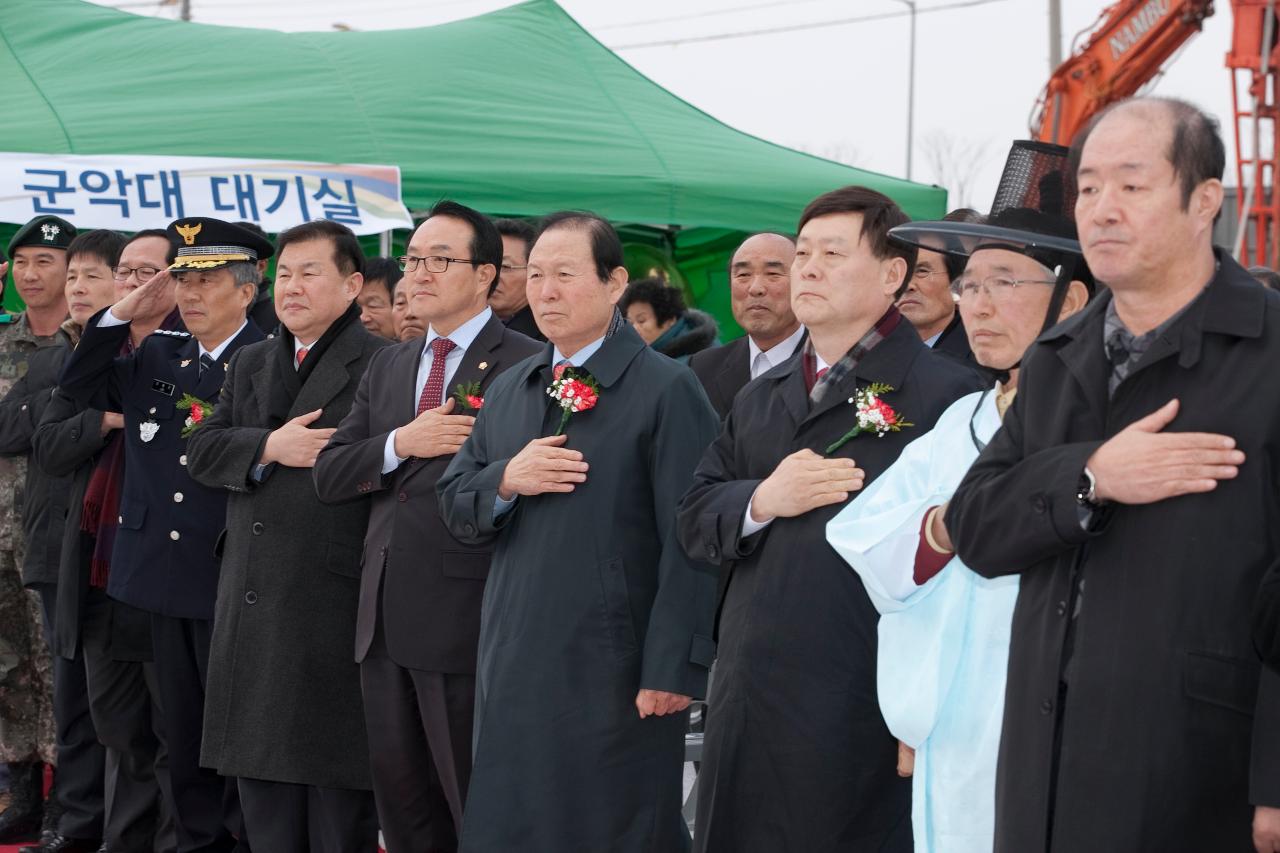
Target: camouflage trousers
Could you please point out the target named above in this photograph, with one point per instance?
(26, 671)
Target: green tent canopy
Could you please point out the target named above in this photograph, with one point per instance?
(516, 112)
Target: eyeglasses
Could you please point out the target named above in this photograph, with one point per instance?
(512, 267)
(145, 274)
(998, 288)
(434, 263)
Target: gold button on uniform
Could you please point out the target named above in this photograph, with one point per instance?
(175, 535)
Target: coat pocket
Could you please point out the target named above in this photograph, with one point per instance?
(343, 559)
(465, 564)
(1228, 682)
(617, 607)
(132, 514)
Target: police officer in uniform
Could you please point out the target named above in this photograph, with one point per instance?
(39, 260)
(164, 559)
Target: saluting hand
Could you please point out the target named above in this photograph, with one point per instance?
(802, 482)
(659, 703)
(543, 466)
(1142, 465)
(295, 444)
(435, 432)
(147, 299)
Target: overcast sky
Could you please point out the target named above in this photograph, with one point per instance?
(831, 88)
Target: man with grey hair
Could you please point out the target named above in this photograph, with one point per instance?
(164, 559)
(1133, 489)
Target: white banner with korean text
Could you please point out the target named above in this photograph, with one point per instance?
(131, 192)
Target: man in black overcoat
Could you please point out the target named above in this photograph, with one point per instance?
(164, 560)
(760, 298)
(596, 628)
(797, 756)
(420, 591)
(282, 702)
(1133, 488)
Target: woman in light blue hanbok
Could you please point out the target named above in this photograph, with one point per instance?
(944, 630)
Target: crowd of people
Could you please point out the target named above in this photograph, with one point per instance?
(969, 543)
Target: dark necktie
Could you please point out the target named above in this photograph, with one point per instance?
(433, 390)
(206, 362)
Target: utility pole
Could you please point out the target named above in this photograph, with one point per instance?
(911, 86)
(1055, 35)
(185, 14)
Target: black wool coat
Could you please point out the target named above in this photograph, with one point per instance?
(797, 756)
(163, 561)
(282, 699)
(589, 599)
(723, 372)
(66, 445)
(426, 585)
(1169, 728)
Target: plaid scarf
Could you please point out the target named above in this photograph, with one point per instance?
(819, 388)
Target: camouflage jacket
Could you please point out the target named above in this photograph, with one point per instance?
(16, 343)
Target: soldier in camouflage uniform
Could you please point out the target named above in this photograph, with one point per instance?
(38, 253)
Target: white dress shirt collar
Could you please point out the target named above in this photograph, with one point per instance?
(218, 350)
(774, 355)
(580, 357)
(464, 335)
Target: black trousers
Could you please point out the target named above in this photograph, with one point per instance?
(123, 698)
(419, 727)
(286, 818)
(81, 758)
(206, 805)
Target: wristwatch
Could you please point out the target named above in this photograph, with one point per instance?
(1086, 491)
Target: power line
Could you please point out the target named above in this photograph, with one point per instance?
(707, 14)
(792, 28)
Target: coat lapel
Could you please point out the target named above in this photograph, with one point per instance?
(735, 372)
(186, 367)
(1080, 347)
(331, 374)
(887, 363)
(480, 361)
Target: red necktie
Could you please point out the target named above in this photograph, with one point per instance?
(561, 366)
(821, 373)
(302, 353)
(434, 389)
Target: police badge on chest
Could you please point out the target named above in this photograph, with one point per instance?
(147, 430)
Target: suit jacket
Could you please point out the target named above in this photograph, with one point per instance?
(65, 446)
(424, 584)
(282, 702)
(1167, 730)
(723, 371)
(522, 321)
(163, 561)
(44, 503)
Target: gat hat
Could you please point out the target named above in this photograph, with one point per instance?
(50, 231)
(1032, 214)
(206, 244)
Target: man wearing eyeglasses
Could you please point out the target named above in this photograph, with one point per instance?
(928, 302)
(418, 622)
(508, 299)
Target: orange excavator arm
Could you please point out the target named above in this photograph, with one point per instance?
(1124, 49)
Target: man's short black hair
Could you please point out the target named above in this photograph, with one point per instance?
(101, 243)
(486, 242)
(347, 254)
(879, 214)
(385, 270)
(606, 248)
(171, 254)
(1196, 150)
(518, 228)
(666, 301)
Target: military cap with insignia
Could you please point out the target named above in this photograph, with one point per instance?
(206, 244)
(50, 231)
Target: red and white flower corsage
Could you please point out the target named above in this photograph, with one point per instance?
(873, 415)
(574, 393)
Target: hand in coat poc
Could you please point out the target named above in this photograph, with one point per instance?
(1142, 465)
(295, 444)
(803, 482)
(433, 433)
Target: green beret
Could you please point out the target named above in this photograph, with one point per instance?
(50, 231)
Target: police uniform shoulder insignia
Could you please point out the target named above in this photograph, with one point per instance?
(171, 333)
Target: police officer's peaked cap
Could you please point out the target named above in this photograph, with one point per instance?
(50, 231)
(206, 244)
